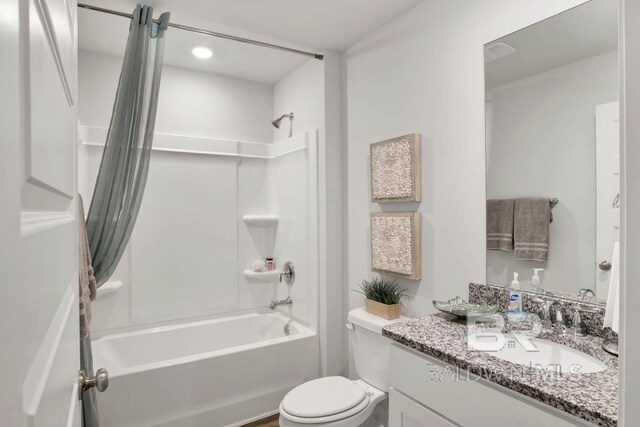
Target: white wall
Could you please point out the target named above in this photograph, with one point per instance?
(333, 214)
(541, 143)
(423, 73)
(184, 246)
(301, 92)
(190, 102)
(630, 206)
(313, 93)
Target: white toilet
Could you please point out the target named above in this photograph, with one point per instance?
(339, 401)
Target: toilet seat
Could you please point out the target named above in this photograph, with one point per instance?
(325, 400)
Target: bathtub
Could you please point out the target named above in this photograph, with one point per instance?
(209, 373)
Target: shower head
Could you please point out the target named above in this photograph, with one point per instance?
(276, 122)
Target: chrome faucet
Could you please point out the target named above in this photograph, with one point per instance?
(557, 315)
(576, 323)
(552, 315)
(582, 293)
(276, 303)
(544, 312)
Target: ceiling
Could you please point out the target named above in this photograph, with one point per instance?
(582, 32)
(314, 25)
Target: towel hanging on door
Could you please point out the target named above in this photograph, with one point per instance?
(86, 279)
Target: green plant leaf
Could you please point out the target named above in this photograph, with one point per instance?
(382, 290)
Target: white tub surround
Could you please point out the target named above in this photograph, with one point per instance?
(214, 373)
(263, 203)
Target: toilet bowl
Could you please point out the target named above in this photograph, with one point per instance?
(339, 401)
(330, 401)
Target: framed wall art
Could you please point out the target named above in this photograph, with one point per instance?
(396, 244)
(396, 169)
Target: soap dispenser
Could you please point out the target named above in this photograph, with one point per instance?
(535, 281)
(514, 306)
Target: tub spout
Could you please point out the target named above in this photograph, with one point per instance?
(275, 303)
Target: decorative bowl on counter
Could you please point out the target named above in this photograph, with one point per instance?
(463, 309)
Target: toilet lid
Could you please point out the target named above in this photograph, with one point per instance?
(323, 397)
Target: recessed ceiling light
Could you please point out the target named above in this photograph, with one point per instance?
(202, 52)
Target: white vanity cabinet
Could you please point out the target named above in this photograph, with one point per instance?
(427, 392)
(406, 412)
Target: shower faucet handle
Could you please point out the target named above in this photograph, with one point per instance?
(288, 273)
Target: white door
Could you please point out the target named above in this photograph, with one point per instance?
(38, 259)
(607, 191)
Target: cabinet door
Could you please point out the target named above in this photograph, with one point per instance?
(406, 412)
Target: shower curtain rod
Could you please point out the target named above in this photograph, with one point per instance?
(317, 56)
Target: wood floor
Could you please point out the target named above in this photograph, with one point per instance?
(271, 421)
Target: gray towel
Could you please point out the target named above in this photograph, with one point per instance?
(87, 282)
(531, 229)
(500, 224)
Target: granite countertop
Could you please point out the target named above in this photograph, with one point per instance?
(592, 397)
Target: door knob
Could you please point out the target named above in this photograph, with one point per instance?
(100, 381)
(605, 265)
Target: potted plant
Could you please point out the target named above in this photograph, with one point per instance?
(382, 297)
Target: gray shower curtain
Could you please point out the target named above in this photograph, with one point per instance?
(125, 162)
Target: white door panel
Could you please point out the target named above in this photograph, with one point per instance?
(39, 313)
(48, 279)
(60, 15)
(48, 393)
(49, 148)
(607, 187)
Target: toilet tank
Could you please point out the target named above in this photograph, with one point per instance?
(370, 348)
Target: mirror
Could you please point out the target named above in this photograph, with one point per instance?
(552, 151)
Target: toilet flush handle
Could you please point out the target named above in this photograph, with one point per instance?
(349, 326)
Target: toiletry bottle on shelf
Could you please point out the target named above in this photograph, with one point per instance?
(535, 281)
(514, 305)
(270, 264)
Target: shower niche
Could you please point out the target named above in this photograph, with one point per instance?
(263, 229)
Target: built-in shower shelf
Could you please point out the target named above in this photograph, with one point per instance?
(263, 275)
(261, 220)
(108, 289)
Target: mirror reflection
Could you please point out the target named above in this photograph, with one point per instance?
(553, 152)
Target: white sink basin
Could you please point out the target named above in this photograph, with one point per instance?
(546, 355)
